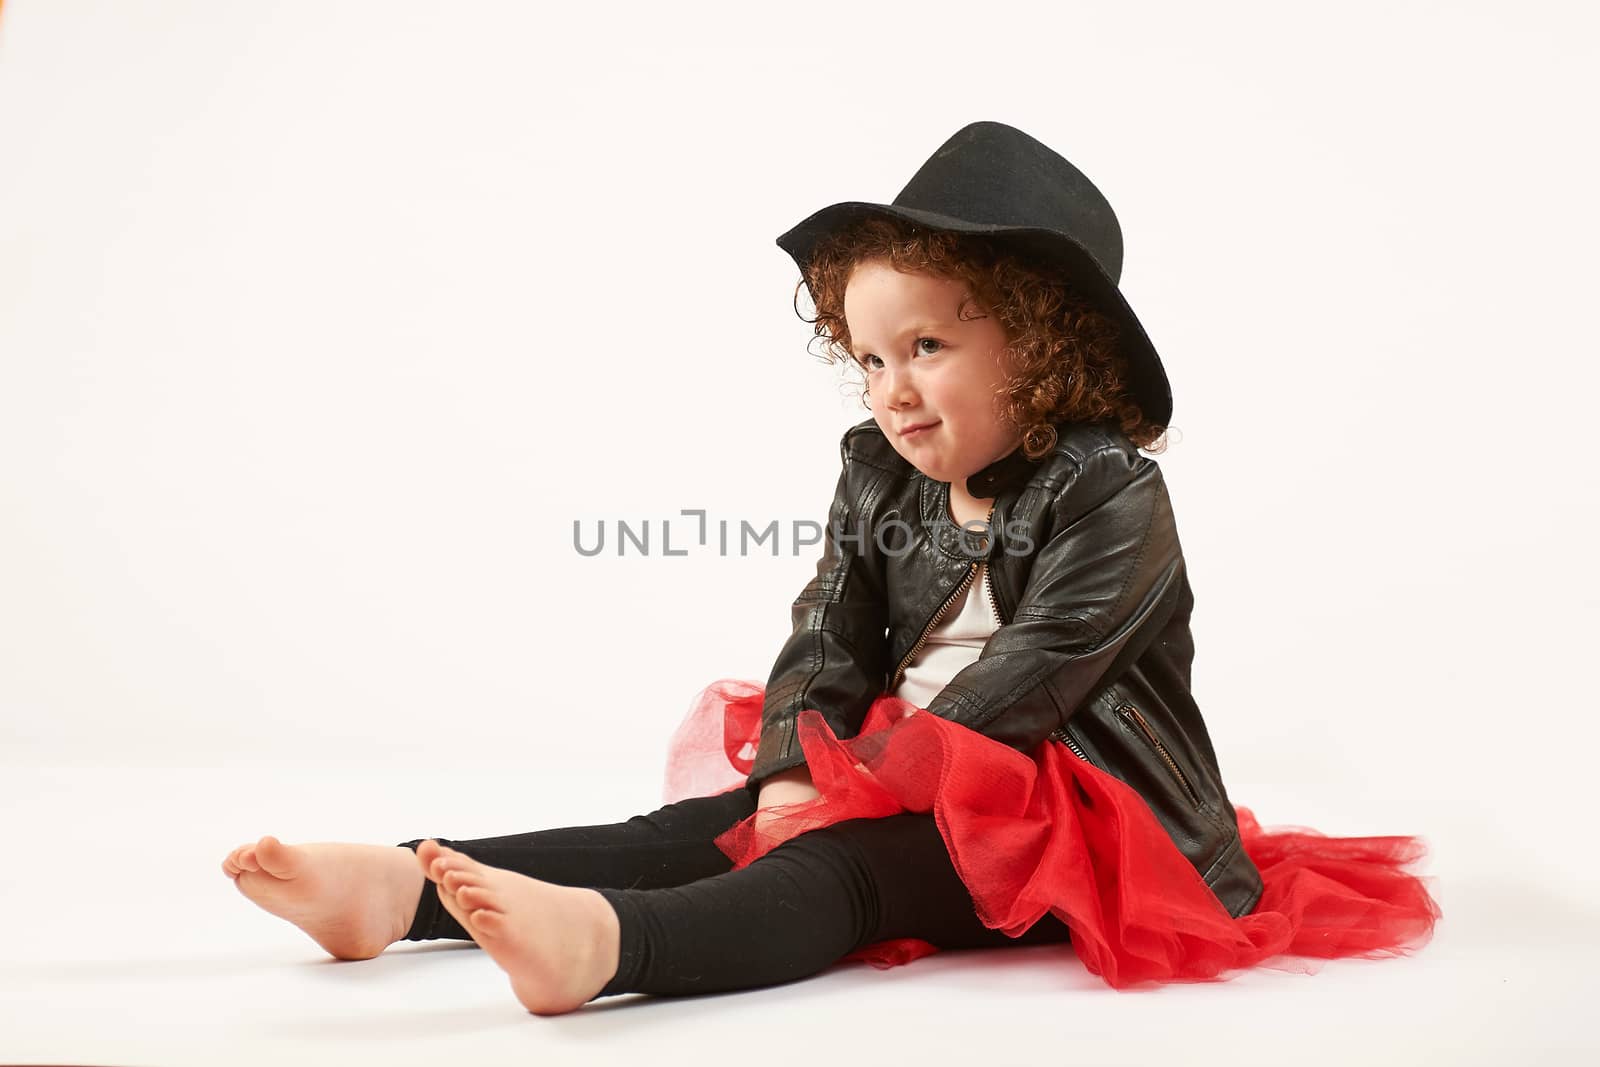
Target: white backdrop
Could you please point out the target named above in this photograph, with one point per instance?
(321, 323)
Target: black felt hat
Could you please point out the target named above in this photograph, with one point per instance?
(994, 180)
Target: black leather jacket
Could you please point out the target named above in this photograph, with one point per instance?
(1089, 585)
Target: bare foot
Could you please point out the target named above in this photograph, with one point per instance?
(559, 944)
(354, 900)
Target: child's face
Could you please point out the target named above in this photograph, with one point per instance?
(925, 364)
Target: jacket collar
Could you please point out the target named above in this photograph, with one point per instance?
(1007, 472)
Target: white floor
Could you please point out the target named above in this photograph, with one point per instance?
(127, 945)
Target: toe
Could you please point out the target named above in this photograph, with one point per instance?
(460, 861)
(448, 901)
(453, 879)
(448, 861)
(276, 858)
(427, 852)
(474, 898)
(489, 923)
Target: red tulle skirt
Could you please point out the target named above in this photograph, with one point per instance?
(1031, 833)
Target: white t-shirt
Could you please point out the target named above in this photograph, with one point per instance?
(954, 643)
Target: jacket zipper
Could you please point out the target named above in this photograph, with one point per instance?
(1131, 713)
(966, 580)
(972, 570)
(1060, 734)
(994, 602)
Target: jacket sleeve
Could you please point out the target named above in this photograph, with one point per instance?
(1111, 560)
(835, 660)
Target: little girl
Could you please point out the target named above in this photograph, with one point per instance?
(980, 732)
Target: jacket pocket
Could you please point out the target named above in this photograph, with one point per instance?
(1141, 726)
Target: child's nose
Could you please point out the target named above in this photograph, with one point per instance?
(898, 388)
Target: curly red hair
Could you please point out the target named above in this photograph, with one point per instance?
(1064, 351)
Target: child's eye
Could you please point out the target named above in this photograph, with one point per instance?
(866, 364)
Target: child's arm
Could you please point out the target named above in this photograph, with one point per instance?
(1111, 560)
(836, 659)
(787, 787)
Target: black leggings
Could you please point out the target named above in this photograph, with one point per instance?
(690, 924)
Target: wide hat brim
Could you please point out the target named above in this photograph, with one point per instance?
(1050, 251)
